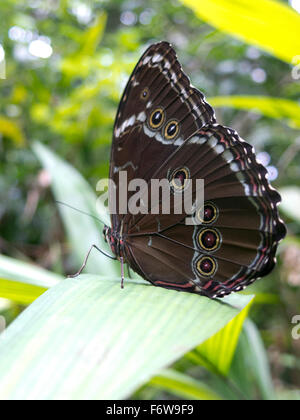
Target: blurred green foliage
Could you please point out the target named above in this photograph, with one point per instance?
(69, 99)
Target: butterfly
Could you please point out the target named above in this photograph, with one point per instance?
(165, 129)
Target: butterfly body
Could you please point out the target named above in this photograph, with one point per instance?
(166, 130)
(115, 241)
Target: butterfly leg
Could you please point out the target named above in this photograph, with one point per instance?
(122, 272)
(86, 260)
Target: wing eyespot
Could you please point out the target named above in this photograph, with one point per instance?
(145, 94)
(207, 214)
(171, 130)
(179, 179)
(206, 266)
(157, 118)
(208, 239)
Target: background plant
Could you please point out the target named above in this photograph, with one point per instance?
(67, 102)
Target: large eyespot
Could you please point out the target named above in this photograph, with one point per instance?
(207, 214)
(179, 179)
(171, 130)
(208, 239)
(145, 94)
(157, 118)
(206, 266)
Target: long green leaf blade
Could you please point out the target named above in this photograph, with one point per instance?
(19, 292)
(87, 338)
(183, 386)
(218, 351)
(250, 367)
(69, 187)
(23, 282)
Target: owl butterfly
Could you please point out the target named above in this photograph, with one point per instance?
(165, 129)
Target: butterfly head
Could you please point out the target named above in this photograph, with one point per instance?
(115, 241)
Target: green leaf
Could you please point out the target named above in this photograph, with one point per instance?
(250, 366)
(217, 352)
(183, 386)
(291, 202)
(278, 108)
(19, 292)
(85, 59)
(10, 129)
(270, 25)
(93, 36)
(23, 282)
(288, 394)
(87, 338)
(69, 187)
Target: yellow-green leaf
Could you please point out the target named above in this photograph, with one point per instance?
(183, 386)
(20, 292)
(273, 26)
(278, 108)
(217, 352)
(94, 35)
(10, 129)
(23, 282)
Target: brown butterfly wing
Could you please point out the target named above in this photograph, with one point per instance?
(137, 146)
(236, 246)
(225, 252)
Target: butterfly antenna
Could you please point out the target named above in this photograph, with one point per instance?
(80, 211)
(113, 257)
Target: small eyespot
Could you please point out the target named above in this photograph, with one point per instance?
(157, 118)
(171, 130)
(209, 239)
(207, 214)
(206, 266)
(145, 94)
(179, 179)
